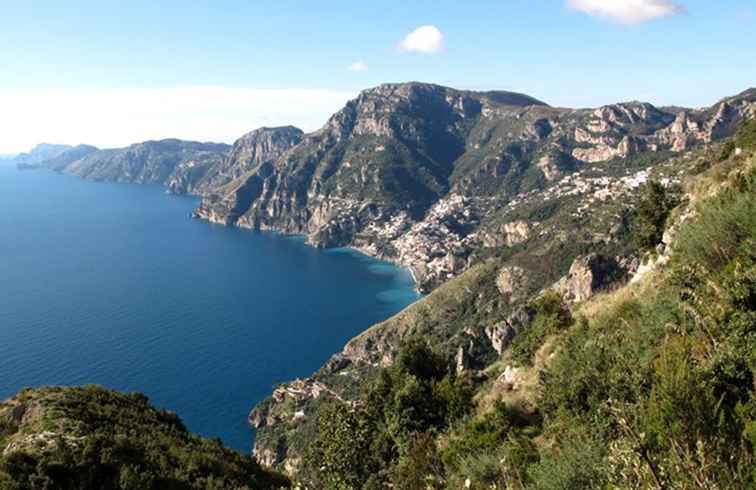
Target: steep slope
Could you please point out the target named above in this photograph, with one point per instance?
(418, 173)
(93, 438)
(534, 381)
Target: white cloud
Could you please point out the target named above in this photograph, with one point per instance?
(424, 39)
(358, 66)
(628, 11)
(114, 118)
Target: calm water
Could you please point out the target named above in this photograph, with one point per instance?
(115, 285)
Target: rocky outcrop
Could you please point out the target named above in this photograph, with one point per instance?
(588, 274)
(512, 283)
(502, 333)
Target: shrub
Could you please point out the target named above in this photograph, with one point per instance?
(577, 463)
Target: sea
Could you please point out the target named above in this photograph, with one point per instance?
(116, 285)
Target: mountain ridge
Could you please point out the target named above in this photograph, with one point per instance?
(328, 187)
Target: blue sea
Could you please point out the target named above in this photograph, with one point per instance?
(115, 284)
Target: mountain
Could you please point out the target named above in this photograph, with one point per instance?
(38, 154)
(150, 162)
(67, 157)
(419, 174)
(607, 341)
(181, 166)
(93, 438)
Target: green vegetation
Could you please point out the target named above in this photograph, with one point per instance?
(661, 384)
(746, 135)
(550, 318)
(650, 386)
(93, 438)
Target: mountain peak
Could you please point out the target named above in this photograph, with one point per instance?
(414, 88)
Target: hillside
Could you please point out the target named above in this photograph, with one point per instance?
(421, 174)
(93, 438)
(543, 366)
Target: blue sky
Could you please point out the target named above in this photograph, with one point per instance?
(111, 73)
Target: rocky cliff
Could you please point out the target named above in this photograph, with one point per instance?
(419, 174)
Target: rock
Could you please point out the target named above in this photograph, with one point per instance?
(460, 360)
(516, 232)
(549, 165)
(512, 282)
(588, 274)
(501, 334)
(510, 379)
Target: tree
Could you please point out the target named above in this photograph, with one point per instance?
(653, 210)
(340, 452)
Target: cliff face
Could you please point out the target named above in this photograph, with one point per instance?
(184, 167)
(67, 157)
(417, 173)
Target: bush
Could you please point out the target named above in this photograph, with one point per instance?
(340, 452)
(577, 463)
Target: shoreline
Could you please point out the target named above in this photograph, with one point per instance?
(305, 238)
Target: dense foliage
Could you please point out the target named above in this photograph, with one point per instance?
(390, 438)
(93, 438)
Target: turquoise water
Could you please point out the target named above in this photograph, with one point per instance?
(114, 284)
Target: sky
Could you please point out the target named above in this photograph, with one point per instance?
(113, 73)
